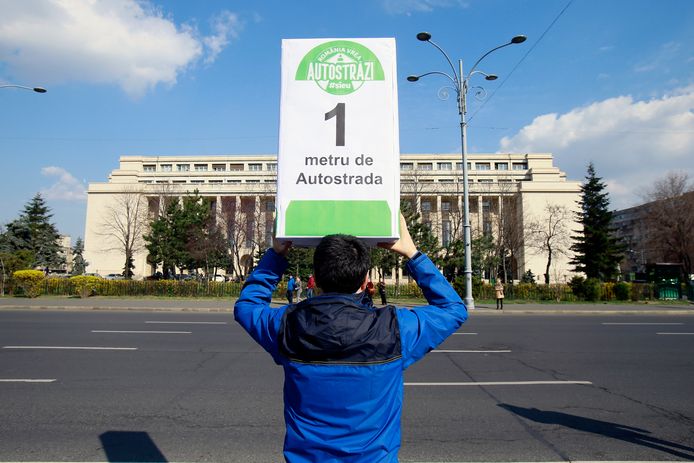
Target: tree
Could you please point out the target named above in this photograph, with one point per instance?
(123, 225)
(34, 232)
(670, 220)
(550, 235)
(597, 252)
(78, 263)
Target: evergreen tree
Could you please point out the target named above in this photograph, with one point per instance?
(34, 232)
(597, 252)
(79, 265)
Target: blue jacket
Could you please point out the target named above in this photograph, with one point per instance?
(343, 360)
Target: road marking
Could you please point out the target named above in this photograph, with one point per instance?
(27, 380)
(188, 323)
(460, 334)
(501, 383)
(615, 323)
(455, 351)
(70, 347)
(677, 333)
(142, 332)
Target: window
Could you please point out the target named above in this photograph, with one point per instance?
(445, 166)
(406, 166)
(234, 181)
(482, 166)
(486, 180)
(216, 181)
(445, 205)
(197, 181)
(162, 181)
(146, 181)
(424, 166)
(255, 167)
(179, 181)
(272, 166)
(200, 167)
(426, 206)
(446, 235)
(520, 165)
(166, 167)
(445, 180)
(252, 181)
(149, 167)
(235, 166)
(183, 167)
(486, 206)
(505, 180)
(269, 181)
(459, 166)
(269, 206)
(487, 228)
(501, 166)
(219, 167)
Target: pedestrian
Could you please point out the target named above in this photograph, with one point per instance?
(309, 286)
(290, 289)
(369, 291)
(298, 288)
(382, 291)
(343, 361)
(499, 289)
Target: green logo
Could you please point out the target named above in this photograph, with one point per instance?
(340, 67)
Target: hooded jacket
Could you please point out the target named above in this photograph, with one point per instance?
(344, 360)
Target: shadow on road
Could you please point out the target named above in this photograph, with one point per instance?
(130, 446)
(604, 428)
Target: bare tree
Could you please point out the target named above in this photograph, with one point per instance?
(550, 235)
(670, 219)
(123, 225)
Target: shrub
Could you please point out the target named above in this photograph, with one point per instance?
(528, 277)
(591, 289)
(31, 281)
(622, 291)
(577, 285)
(85, 286)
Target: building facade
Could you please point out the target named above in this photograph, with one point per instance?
(509, 195)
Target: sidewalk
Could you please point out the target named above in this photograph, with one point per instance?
(222, 305)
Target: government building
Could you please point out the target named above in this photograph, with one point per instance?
(510, 196)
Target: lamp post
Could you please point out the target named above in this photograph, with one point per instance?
(460, 83)
(33, 89)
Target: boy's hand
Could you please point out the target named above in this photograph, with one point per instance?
(281, 247)
(404, 246)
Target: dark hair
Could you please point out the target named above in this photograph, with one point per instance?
(341, 263)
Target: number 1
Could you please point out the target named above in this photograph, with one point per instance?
(338, 111)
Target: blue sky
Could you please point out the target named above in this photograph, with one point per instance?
(597, 80)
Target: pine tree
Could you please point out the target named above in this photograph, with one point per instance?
(79, 265)
(34, 232)
(597, 252)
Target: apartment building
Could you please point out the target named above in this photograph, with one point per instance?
(506, 191)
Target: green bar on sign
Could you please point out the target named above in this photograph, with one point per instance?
(320, 218)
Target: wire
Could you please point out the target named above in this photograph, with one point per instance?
(522, 59)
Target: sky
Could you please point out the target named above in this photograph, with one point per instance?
(603, 81)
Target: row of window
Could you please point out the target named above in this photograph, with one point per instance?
(459, 166)
(426, 205)
(197, 181)
(232, 167)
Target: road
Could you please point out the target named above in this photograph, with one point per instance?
(192, 386)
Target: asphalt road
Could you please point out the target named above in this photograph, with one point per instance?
(194, 387)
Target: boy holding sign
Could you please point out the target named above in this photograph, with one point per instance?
(343, 361)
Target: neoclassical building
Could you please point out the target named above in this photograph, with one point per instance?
(509, 195)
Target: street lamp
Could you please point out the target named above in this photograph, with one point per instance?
(34, 89)
(460, 84)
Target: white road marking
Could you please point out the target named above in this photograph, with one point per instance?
(456, 351)
(27, 380)
(500, 383)
(142, 332)
(460, 334)
(70, 347)
(188, 323)
(649, 323)
(689, 334)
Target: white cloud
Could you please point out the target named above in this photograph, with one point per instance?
(66, 188)
(124, 42)
(632, 143)
(408, 7)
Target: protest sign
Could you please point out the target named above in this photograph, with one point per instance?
(338, 160)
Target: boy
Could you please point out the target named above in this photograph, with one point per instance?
(343, 361)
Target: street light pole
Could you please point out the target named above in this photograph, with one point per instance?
(33, 89)
(460, 85)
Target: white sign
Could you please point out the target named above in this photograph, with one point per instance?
(339, 156)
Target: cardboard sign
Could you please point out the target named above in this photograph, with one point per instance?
(339, 156)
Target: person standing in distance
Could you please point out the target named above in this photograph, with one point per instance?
(343, 361)
(290, 289)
